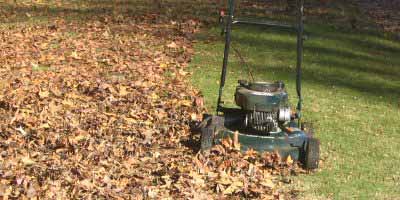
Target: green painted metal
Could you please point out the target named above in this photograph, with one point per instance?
(278, 142)
(261, 96)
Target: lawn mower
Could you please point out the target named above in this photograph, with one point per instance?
(264, 121)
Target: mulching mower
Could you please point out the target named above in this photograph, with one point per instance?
(264, 122)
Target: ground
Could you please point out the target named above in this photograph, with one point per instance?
(96, 101)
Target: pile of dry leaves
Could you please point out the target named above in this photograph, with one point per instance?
(100, 109)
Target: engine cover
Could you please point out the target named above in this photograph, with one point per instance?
(261, 96)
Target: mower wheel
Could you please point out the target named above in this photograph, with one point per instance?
(206, 138)
(311, 158)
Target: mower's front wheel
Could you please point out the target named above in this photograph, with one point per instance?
(311, 158)
(206, 138)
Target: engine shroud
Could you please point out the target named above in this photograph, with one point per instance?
(265, 103)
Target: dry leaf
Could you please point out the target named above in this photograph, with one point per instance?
(74, 55)
(45, 126)
(289, 160)
(187, 103)
(236, 143)
(31, 192)
(123, 91)
(172, 45)
(267, 183)
(44, 94)
(27, 161)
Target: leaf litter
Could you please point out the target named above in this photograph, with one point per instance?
(101, 109)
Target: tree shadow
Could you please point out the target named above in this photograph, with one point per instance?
(366, 39)
(354, 66)
(95, 9)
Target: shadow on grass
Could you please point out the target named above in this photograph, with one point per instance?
(335, 79)
(354, 53)
(94, 9)
(362, 39)
(357, 68)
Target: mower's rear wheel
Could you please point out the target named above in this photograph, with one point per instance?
(311, 158)
(206, 138)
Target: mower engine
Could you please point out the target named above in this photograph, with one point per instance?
(265, 104)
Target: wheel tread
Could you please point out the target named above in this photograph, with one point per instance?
(312, 154)
(206, 138)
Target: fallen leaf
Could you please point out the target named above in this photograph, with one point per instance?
(45, 126)
(31, 192)
(187, 103)
(163, 65)
(172, 45)
(236, 143)
(27, 161)
(234, 187)
(74, 55)
(289, 160)
(22, 131)
(123, 91)
(267, 183)
(44, 94)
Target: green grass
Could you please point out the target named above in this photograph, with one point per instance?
(351, 93)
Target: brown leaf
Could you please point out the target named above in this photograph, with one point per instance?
(27, 161)
(31, 192)
(123, 91)
(289, 160)
(199, 102)
(44, 94)
(236, 143)
(172, 45)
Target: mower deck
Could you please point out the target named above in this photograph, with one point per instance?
(291, 140)
(281, 142)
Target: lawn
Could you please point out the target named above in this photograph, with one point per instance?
(351, 93)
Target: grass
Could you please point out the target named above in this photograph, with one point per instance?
(351, 93)
(17, 13)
